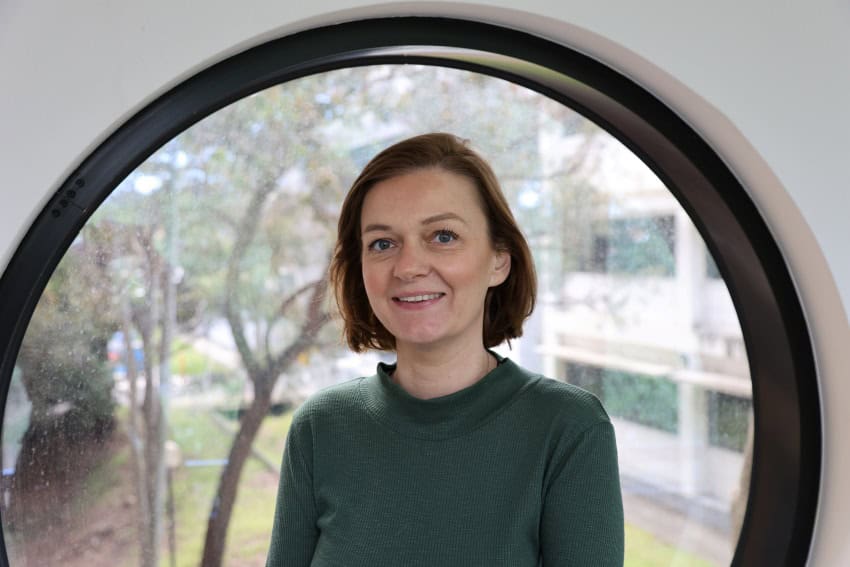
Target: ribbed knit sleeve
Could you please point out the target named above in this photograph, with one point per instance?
(582, 516)
(295, 534)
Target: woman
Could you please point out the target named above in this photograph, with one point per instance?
(452, 455)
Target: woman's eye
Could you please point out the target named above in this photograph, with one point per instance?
(380, 245)
(445, 236)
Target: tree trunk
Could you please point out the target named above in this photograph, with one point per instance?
(152, 456)
(152, 424)
(147, 554)
(262, 373)
(225, 497)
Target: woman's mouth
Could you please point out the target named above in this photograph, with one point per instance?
(421, 298)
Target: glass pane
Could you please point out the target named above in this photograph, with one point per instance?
(192, 307)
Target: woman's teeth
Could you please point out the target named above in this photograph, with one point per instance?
(418, 298)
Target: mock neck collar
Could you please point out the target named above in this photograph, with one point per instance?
(445, 416)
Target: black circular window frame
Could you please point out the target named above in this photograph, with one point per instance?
(783, 494)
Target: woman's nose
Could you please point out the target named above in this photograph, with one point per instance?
(411, 262)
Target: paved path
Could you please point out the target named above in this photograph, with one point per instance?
(654, 477)
(679, 530)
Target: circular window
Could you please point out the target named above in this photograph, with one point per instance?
(183, 316)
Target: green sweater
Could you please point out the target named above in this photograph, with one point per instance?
(516, 470)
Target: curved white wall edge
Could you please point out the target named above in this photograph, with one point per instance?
(720, 66)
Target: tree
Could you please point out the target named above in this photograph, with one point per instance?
(263, 372)
(63, 369)
(141, 255)
(265, 170)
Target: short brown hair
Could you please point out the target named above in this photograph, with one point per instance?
(507, 305)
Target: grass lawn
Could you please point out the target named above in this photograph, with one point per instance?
(272, 436)
(194, 487)
(200, 438)
(644, 550)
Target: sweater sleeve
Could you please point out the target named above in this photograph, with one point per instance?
(582, 520)
(294, 534)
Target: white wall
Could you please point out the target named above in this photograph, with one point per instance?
(767, 83)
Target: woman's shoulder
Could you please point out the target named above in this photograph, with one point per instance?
(554, 398)
(333, 401)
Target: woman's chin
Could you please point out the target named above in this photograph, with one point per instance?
(420, 340)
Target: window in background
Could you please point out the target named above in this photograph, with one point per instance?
(190, 317)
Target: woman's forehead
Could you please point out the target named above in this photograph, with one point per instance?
(423, 195)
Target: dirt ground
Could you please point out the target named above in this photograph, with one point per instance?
(91, 524)
(94, 523)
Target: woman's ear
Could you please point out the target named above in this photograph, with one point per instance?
(501, 267)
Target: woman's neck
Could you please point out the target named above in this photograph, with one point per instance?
(427, 374)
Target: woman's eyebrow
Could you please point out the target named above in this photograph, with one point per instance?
(443, 216)
(428, 220)
(376, 228)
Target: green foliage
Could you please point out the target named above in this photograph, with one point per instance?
(728, 420)
(643, 399)
(87, 389)
(654, 402)
(639, 246)
(186, 360)
(63, 355)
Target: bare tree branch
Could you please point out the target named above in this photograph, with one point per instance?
(315, 320)
(245, 235)
(281, 311)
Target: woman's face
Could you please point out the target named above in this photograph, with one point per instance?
(428, 260)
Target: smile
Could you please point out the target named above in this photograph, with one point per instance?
(419, 298)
